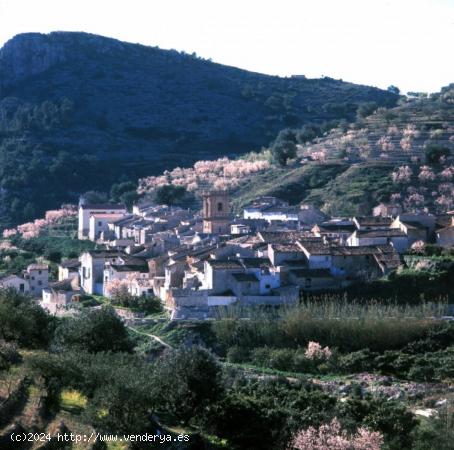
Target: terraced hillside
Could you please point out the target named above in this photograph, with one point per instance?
(404, 155)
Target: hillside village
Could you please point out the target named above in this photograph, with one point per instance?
(215, 258)
(194, 262)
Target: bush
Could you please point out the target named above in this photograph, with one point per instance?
(284, 147)
(434, 152)
(9, 354)
(23, 321)
(186, 381)
(238, 354)
(362, 360)
(94, 331)
(169, 194)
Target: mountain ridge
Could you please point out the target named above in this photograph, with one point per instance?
(93, 111)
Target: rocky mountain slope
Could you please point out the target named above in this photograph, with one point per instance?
(80, 112)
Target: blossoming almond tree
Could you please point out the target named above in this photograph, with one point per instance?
(402, 175)
(426, 174)
(206, 174)
(332, 437)
(33, 229)
(315, 351)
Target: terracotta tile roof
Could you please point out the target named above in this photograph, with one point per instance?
(315, 248)
(366, 221)
(286, 248)
(70, 264)
(37, 266)
(281, 237)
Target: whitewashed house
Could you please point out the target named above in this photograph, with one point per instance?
(396, 237)
(99, 225)
(91, 271)
(87, 210)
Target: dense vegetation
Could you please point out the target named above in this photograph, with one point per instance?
(84, 373)
(72, 104)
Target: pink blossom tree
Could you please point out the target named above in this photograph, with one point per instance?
(316, 351)
(405, 144)
(332, 437)
(385, 143)
(447, 174)
(402, 175)
(426, 174)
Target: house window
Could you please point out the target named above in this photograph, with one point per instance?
(33, 278)
(308, 282)
(39, 272)
(21, 287)
(219, 206)
(33, 288)
(99, 224)
(267, 286)
(40, 283)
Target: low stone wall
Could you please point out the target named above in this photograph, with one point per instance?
(267, 300)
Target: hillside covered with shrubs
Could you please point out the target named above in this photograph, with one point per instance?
(367, 376)
(73, 105)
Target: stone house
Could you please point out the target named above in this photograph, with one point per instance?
(313, 279)
(69, 269)
(279, 253)
(15, 282)
(334, 230)
(445, 235)
(38, 278)
(317, 254)
(59, 295)
(87, 210)
(355, 263)
(374, 223)
(418, 227)
(244, 284)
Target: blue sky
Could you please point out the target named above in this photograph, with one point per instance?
(408, 43)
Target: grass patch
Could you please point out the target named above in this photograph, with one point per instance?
(72, 401)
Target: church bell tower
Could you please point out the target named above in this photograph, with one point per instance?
(216, 212)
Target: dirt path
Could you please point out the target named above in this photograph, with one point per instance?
(152, 336)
